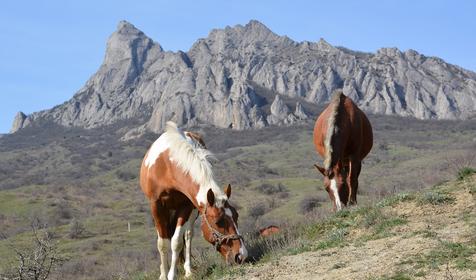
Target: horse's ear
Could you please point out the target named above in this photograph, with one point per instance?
(228, 191)
(321, 169)
(210, 197)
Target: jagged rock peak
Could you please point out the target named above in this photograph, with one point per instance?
(126, 42)
(253, 31)
(300, 113)
(257, 26)
(279, 108)
(18, 122)
(125, 27)
(325, 46)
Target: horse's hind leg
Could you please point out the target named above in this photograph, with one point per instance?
(188, 243)
(161, 220)
(353, 180)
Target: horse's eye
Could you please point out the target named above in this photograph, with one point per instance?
(221, 222)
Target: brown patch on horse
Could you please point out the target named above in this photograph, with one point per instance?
(197, 137)
(269, 230)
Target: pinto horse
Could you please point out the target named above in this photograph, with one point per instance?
(178, 181)
(343, 137)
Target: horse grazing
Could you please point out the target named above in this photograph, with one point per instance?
(343, 137)
(178, 181)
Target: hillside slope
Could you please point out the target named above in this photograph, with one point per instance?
(427, 235)
(56, 175)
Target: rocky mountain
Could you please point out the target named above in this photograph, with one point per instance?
(220, 81)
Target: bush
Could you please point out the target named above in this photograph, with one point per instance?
(126, 175)
(76, 229)
(269, 189)
(308, 204)
(38, 260)
(257, 210)
(465, 172)
(436, 198)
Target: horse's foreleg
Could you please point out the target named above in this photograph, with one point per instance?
(188, 243)
(163, 238)
(163, 245)
(353, 180)
(177, 240)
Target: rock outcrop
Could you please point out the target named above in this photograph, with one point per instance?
(214, 82)
(18, 122)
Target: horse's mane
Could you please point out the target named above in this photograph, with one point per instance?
(331, 126)
(192, 158)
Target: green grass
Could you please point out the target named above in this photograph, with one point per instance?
(378, 223)
(436, 197)
(465, 172)
(399, 275)
(335, 238)
(458, 253)
(395, 199)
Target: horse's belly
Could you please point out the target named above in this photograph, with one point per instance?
(173, 199)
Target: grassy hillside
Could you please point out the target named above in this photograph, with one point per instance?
(410, 235)
(56, 178)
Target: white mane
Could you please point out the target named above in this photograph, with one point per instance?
(331, 128)
(192, 158)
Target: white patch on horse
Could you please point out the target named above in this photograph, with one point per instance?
(331, 128)
(192, 158)
(228, 212)
(159, 146)
(163, 245)
(188, 234)
(336, 194)
(176, 246)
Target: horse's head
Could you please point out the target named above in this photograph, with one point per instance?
(220, 228)
(335, 184)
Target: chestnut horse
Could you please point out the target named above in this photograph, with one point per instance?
(343, 137)
(178, 181)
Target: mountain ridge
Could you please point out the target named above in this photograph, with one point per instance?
(214, 82)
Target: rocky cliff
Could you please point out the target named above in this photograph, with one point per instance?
(216, 82)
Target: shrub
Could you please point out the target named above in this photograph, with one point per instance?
(395, 199)
(436, 198)
(76, 229)
(308, 204)
(267, 188)
(257, 210)
(465, 172)
(37, 261)
(126, 175)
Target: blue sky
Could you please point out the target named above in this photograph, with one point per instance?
(48, 49)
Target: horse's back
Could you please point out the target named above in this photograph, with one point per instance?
(320, 129)
(360, 136)
(354, 125)
(155, 169)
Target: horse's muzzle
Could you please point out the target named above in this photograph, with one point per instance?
(233, 259)
(239, 258)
